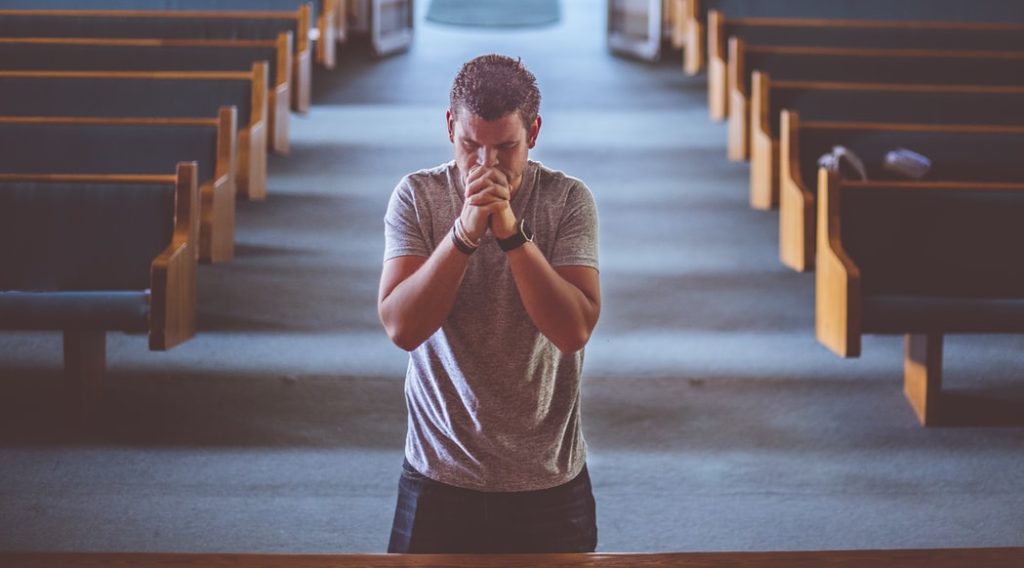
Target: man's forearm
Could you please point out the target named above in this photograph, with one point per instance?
(414, 309)
(560, 310)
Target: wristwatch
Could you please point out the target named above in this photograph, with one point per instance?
(522, 236)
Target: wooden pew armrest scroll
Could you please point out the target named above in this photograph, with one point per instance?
(693, 60)
(718, 59)
(796, 201)
(739, 102)
(764, 149)
(173, 272)
(837, 292)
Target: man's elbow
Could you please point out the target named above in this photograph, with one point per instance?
(571, 343)
(402, 337)
(400, 334)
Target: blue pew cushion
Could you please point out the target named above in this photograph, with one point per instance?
(951, 10)
(134, 97)
(935, 243)
(935, 107)
(954, 156)
(124, 311)
(85, 57)
(913, 314)
(82, 237)
(107, 148)
(160, 5)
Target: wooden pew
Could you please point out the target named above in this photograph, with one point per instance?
(919, 259)
(1010, 557)
(857, 66)
(136, 146)
(677, 21)
(322, 12)
(867, 102)
(982, 111)
(697, 15)
(89, 254)
(162, 94)
(135, 24)
(959, 152)
(862, 102)
(100, 54)
(817, 32)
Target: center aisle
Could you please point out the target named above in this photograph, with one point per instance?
(714, 419)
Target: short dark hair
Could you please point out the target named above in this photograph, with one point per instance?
(493, 86)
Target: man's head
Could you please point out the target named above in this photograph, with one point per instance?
(493, 118)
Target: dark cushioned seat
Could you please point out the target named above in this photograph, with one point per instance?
(39, 96)
(936, 260)
(909, 107)
(65, 237)
(78, 255)
(82, 237)
(909, 314)
(82, 57)
(874, 69)
(107, 148)
(110, 310)
(949, 10)
(954, 156)
(211, 27)
(190, 5)
(879, 38)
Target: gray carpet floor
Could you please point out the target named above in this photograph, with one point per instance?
(715, 421)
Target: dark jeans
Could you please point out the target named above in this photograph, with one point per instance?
(432, 517)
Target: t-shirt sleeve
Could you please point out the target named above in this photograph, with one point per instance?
(576, 241)
(403, 228)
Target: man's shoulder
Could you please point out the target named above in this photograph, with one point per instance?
(438, 175)
(558, 185)
(550, 177)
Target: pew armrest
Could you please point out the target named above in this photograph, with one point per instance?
(694, 54)
(718, 90)
(837, 282)
(173, 273)
(796, 200)
(764, 149)
(327, 42)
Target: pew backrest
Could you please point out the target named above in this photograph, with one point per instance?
(75, 145)
(852, 34)
(932, 251)
(131, 93)
(321, 15)
(956, 152)
(890, 102)
(139, 54)
(863, 65)
(699, 12)
(100, 252)
(880, 34)
(136, 23)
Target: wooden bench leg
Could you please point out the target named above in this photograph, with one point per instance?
(85, 364)
(922, 375)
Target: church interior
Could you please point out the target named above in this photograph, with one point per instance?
(771, 374)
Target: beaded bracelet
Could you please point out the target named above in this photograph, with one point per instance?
(463, 242)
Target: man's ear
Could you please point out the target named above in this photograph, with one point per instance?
(534, 131)
(451, 125)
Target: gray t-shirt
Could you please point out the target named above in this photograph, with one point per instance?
(493, 404)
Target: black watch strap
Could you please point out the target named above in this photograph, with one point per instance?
(522, 236)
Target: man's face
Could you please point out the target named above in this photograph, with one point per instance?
(502, 144)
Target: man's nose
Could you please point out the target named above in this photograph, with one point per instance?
(487, 156)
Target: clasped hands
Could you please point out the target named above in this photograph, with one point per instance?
(488, 203)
